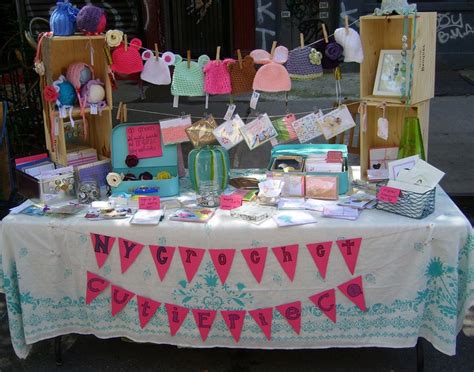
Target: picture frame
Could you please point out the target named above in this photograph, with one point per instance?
(389, 79)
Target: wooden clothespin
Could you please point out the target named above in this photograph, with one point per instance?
(124, 113)
(346, 23)
(119, 112)
(157, 54)
(218, 53)
(189, 58)
(239, 56)
(125, 40)
(325, 34)
(301, 40)
(274, 44)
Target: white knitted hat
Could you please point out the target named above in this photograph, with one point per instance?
(351, 43)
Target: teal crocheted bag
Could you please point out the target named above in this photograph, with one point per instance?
(188, 81)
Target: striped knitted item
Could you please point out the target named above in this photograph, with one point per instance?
(210, 163)
(302, 65)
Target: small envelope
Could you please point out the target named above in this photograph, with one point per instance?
(394, 167)
(422, 174)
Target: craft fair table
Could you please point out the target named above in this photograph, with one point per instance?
(383, 280)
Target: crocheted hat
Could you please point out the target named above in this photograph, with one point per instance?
(156, 70)
(66, 92)
(91, 19)
(351, 43)
(127, 61)
(242, 78)
(93, 91)
(304, 64)
(262, 57)
(332, 53)
(78, 74)
(217, 78)
(189, 81)
(63, 19)
(272, 76)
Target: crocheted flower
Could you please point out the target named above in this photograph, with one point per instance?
(131, 161)
(315, 57)
(334, 51)
(50, 93)
(113, 38)
(145, 176)
(130, 177)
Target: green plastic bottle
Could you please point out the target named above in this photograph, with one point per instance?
(411, 142)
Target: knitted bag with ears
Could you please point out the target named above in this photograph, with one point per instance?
(128, 61)
(156, 70)
(188, 81)
(217, 78)
(304, 64)
(242, 78)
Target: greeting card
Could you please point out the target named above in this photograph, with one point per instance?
(258, 131)
(285, 130)
(174, 130)
(291, 218)
(228, 133)
(307, 128)
(336, 122)
(322, 187)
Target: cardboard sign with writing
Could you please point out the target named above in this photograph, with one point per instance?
(144, 141)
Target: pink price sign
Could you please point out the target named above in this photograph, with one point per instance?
(388, 194)
(144, 141)
(231, 201)
(149, 202)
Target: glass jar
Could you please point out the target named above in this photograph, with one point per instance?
(208, 194)
(411, 142)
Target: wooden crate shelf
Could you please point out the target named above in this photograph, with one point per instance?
(378, 33)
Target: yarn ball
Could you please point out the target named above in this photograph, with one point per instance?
(79, 74)
(93, 91)
(91, 19)
(67, 94)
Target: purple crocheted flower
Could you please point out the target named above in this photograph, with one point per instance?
(334, 51)
(131, 161)
(130, 177)
(145, 176)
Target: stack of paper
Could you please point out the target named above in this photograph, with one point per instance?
(292, 218)
(340, 212)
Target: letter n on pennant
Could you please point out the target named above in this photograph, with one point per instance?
(102, 245)
(95, 286)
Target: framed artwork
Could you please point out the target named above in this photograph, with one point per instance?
(390, 77)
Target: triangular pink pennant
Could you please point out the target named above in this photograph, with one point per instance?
(191, 259)
(354, 291)
(350, 251)
(287, 256)
(119, 298)
(222, 259)
(292, 313)
(146, 309)
(320, 253)
(263, 317)
(326, 302)
(204, 320)
(129, 252)
(176, 316)
(255, 258)
(102, 245)
(234, 320)
(95, 286)
(162, 256)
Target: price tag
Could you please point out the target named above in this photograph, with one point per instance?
(62, 111)
(388, 194)
(382, 128)
(175, 101)
(231, 201)
(94, 109)
(230, 112)
(149, 202)
(206, 106)
(254, 100)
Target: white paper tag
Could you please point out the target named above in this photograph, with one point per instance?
(175, 101)
(207, 101)
(56, 126)
(382, 128)
(230, 112)
(254, 100)
(62, 111)
(94, 109)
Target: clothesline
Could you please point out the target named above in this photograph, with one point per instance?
(222, 118)
(195, 60)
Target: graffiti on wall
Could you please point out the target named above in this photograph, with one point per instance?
(451, 26)
(306, 14)
(265, 23)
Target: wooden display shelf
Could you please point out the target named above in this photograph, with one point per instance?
(378, 33)
(395, 114)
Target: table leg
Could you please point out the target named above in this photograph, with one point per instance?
(57, 351)
(420, 359)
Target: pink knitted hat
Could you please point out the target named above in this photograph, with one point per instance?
(217, 79)
(127, 61)
(78, 74)
(262, 57)
(272, 76)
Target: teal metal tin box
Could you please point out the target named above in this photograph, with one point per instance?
(304, 150)
(167, 162)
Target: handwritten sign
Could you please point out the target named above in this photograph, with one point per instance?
(388, 194)
(144, 141)
(231, 201)
(149, 202)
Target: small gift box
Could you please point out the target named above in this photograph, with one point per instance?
(322, 187)
(200, 133)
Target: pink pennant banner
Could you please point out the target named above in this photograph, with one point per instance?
(176, 316)
(102, 245)
(350, 251)
(320, 253)
(292, 313)
(326, 302)
(263, 317)
(162, 257)
(255, 258)
(354, 291)
(234, 320)
(146, 309)
(204, 320)
(287, 256)
(129, 252)
(191, 258)
(222, 259)
(95, 286)
(119, 298)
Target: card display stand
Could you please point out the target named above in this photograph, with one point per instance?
(58, 53)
